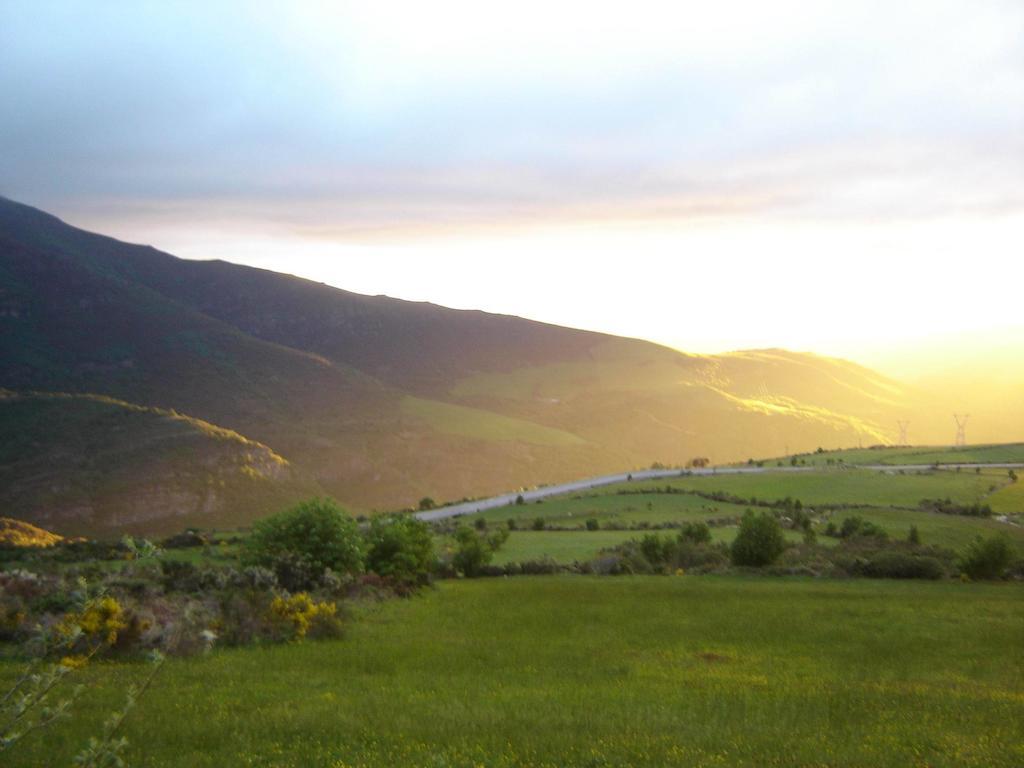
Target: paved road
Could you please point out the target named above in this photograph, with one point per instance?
(505, 499)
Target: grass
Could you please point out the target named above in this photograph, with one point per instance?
(483, 425)
(839, 486)
(561, 546)
(569, 546)
(574, 509)
(1008, 500)
(889, 500)
(578, 671)
(1002, 453)
(949, 531)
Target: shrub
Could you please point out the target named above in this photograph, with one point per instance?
(987, 558)
(301, 542)
(759, 541)
(511, 523)
(400, 547)
(656, 550)
(300, 615)
(185, 539)
(857, 526)
(497, 539)
(472, 552)
(695, 533)
(913, 536)
(427, 503)
(893, 564)
(592, 524)
(538, 524)
(540, 567)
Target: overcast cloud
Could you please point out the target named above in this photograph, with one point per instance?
(189, 124)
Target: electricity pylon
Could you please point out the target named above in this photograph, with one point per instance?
(961, 428)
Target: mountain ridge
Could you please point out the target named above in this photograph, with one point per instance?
(382, 401)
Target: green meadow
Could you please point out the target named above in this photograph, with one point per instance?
(887, 498)
(1002, 453)
(590, 671)
(608, 506)
(847, 486)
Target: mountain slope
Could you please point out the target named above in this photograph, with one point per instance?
(383, 401)
(83, 464)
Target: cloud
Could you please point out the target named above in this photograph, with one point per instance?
(466, 114)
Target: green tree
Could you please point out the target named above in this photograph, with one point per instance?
(300, 543)
(759, 541)
(400, 547)
(987, 558)
(695, 533)
(472, 552)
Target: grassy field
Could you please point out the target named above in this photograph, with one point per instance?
(1001, 453)
(889, 500)
(609, 506)
(1009, 499)
(845, 486)
(949, 531)
(570, 546)
(583, 671)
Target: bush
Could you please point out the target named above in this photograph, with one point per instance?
(893, 564)
(473, 552)
(592, 524)
(856, 526)
(538, 524)
(759, 541)
(400, 547)
(695, 533)
(185, 540)
(300, 543)
(987, 558)
(656, 550)
(300, 615)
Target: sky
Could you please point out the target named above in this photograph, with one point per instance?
(845, 177)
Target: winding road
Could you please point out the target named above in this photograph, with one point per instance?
(505, 499)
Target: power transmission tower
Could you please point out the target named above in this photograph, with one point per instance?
(903, 431)
(961, 428)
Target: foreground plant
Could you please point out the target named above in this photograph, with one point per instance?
(106, 750)
(32, 702)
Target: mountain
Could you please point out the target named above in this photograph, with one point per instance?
(380, 401)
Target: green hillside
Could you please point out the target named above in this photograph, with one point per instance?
(82, 464)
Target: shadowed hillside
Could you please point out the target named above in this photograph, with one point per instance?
(83, 464)
(384, 401)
